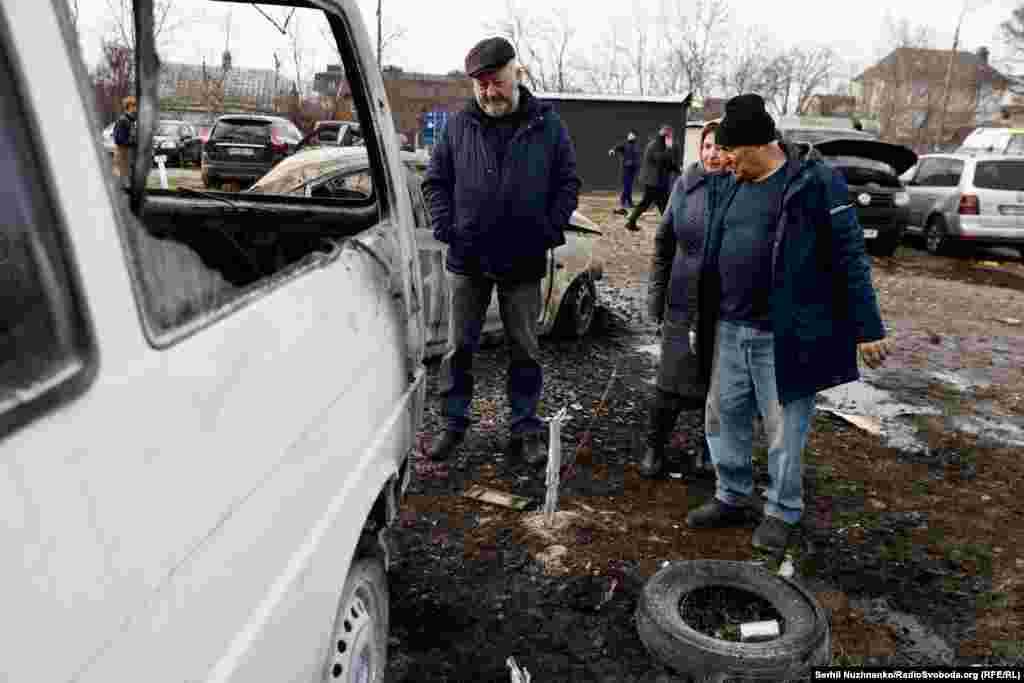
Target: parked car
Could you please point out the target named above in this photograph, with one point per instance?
(243, 147)
(177, 142)
(871, 169)
(968, 199)
(208, 401)
(341, 133)
(342, 173)
(989, 140)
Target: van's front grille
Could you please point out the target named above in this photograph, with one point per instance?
(878, 199)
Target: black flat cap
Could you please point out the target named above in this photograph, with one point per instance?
(489, 54)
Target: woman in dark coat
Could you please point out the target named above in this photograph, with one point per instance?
(672, 301)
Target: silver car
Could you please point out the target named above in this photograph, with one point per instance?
(967, 199)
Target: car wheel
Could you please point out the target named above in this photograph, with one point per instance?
(885, 244)
(577, 309)
(359, 642)
(935, 239)
(805, 639)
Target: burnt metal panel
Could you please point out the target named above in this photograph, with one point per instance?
(598, 125)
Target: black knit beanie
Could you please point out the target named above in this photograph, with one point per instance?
(746, 122)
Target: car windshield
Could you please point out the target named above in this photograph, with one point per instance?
(251, 131)
(860, 171)
(167, 129)
(1000, 175)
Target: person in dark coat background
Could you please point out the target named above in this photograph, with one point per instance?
(630, 153)
(502, 186)
(786, 304)
(661, 160)
(672, 302)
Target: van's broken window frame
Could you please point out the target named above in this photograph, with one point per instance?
(238, 297)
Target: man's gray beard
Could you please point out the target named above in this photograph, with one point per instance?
(514, 105)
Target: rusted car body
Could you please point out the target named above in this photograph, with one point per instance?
(569, 288)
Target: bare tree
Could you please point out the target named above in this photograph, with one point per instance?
(527, 34)
(561, 32)
(295, 43)
(697, 43)
(746, 69)
(121, 22)
(812, 70)
(607, 70)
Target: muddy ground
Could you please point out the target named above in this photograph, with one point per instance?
(911, 537)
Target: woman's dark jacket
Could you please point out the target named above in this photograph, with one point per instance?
(823, 301)
(678, 245)
(499, 217)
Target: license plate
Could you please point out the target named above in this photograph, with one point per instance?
(241, 151)
(870, 234)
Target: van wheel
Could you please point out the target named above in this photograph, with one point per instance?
(935, 239)
(359, 644)
(805, 638)
(577, 310)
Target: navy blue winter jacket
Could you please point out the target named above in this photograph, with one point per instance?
(499, 219)
(823, 301)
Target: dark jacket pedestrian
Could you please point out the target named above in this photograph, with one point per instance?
(629, 151)
(786, 302)
(672, 300)
(660, 161)
(501, 186)
(125, 140)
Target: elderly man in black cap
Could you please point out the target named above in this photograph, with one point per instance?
(501, 186)
(786, 302)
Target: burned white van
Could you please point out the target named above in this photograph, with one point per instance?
(207, 401)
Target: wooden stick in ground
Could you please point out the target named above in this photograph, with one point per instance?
(587, 439)
(554, 465)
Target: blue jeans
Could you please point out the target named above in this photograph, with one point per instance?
(743, 380)
(519, 305)
(628, 176)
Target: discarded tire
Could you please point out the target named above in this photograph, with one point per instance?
(805, 640)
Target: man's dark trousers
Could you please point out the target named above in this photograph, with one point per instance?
(652, 195)
(628, 176)
(519, 304)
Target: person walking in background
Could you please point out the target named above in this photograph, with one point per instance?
(630, 153)
(660, 161)
(786, 303)
(501, 186)
(125, 137)
(672, 303)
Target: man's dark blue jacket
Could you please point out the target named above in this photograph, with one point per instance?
(499, 217)
(823, 301)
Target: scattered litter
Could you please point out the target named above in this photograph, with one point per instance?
(786, 569)
(985, 497)
(988, 264)
(518, 675)
(613, 584)
(871, 425)
(759, 630)
(486, 495)
(576, 406)
(551, 558)
(676, 475)
(1008, 321)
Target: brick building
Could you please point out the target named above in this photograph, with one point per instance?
(905, 92)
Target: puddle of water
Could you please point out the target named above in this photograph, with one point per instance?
(918, 642)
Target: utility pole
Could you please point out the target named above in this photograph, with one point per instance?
(949, 77)
(379, 64)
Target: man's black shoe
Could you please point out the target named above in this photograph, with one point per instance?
(447, 445)
(715, 513)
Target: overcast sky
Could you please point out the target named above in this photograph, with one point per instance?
(438, 33)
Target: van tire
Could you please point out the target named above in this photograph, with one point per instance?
(805, 641)
(885, 244)
(359, 642)
(935, 239)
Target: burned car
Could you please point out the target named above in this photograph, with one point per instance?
(569, 289)
(871, 169)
